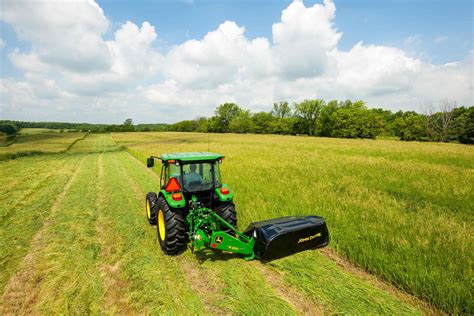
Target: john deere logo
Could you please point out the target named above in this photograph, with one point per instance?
(218, 239)
(309, 238)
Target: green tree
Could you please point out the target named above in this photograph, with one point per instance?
(411, 127)
(281, 110)
(307, 113)
(283, 125)
(127, 126)
(325, 122)
(202, 125)
(356, 121)
(8, 128)
(224, 114)
(242, 123)
(263, 122)
(464, 125)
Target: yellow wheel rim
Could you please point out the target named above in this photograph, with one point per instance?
(148, 209)
(161, 225)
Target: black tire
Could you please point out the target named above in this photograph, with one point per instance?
(174, 238)
(151, 207)
(227, 211)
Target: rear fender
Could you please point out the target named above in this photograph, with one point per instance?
(172, 203)
(224, 197)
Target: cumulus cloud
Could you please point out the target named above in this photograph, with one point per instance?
(62, 33)
(72, 73)
(303, 39)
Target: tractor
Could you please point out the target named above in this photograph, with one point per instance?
(194, 206)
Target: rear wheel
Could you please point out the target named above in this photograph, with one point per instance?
(171, 228)
(151, 207)
(227, 211)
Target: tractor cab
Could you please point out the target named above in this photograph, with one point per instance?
(192, 176)
(193, 173)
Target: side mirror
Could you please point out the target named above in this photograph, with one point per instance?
(150, 162)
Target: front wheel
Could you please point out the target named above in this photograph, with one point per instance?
(171, 228)
(151, 207)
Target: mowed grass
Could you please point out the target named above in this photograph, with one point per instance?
(85, 247)
(403, 211)
(94, 143)
(35, 131)
(40, 142)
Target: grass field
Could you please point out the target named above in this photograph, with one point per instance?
(35, 131)
(403, 211)
(32, 142)
(74, 237)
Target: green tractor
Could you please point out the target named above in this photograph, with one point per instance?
(194, 206)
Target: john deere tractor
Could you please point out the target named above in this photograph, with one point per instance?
(194, 205)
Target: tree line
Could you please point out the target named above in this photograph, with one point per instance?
(12, 127)
(342, 119)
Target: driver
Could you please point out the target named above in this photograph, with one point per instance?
(192, 176)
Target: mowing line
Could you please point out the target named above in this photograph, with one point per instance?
(380, 283)
(21, 290)
(299, 303)
(21, 219)
(29, 192)
(115, 287)
(198, 281)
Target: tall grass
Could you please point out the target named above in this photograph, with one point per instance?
(403, 211)
(91, 250)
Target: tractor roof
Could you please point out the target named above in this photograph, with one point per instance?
(192, 156)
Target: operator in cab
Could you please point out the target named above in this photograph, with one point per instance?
(192, 175)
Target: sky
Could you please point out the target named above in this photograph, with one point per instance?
(165, 61)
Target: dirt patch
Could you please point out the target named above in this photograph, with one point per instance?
(380, 283)
(22, 289)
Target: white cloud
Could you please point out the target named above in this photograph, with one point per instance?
(72, 73)
(440, 39)
(303, 39)
(2, 43)
(29, 62)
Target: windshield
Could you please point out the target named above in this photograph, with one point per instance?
(200, 176)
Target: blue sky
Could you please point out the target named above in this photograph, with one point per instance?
(101, 62)
(434, 30)
(413, 24)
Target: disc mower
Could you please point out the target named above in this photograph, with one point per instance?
(193, 205)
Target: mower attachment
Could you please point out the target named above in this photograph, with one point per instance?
(280, 237)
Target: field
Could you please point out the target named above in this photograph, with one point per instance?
(74, 235)
(31, 141)
(35, 131)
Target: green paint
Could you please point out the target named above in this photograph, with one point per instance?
(206, 232)
(171, 202)
(191, 156)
